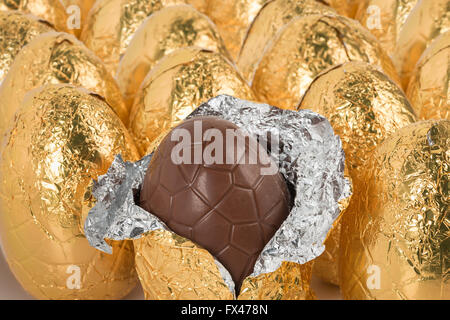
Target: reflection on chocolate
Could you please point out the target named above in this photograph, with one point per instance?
(231, 209)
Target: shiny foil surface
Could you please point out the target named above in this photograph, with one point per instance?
(112, 24)
(171, 267)
(426, 22)
(310, 158)
(168, 29)
(233, 18)
(176, 86)
(84, 7)
(395, 234)
(62, 137)
(384, 19)
(50, 10)
(273, 16)
(16, 30)
(364, 107)
(291, 281)
(428, 89)
(56, 58)
(342, 7)
(308, 46)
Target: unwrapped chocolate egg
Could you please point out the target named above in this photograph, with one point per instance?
(426, 22)
(56, 58)
(384, 19)
(166, 30)
(78, 12)
(50, 10)
(395, 234)
(233, 17)
(364, 107)
(307, 46)
(112, 24)
(209, 190)
(62, 137)
(16, 30)
(273, 16)
(176, 86)
(428, 89)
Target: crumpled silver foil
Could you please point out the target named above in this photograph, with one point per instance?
(309, 155)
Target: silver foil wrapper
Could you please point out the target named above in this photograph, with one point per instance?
(309, 156)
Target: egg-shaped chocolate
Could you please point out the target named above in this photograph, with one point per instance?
(61, 138)
(177, 85)
(395, 234)
(210, 188)
(55, 57)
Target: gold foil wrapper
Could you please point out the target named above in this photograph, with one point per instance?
(291, 281)
(171, 267)
(395, 235)
(170, 28)
(233, 18)
(56, 58)
(62, 137)
(307, 46)
(270, 20)
(50, 10)
(428, 89)
(426, 22)
(16, 30)
(341, 6)
(384, 19)
(364, 107)
(112, 24)
(176, 86)
(353, 6)
(84, 7)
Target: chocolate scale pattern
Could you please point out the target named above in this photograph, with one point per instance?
(232, 210)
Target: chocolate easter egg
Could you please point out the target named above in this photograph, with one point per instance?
(62, 137)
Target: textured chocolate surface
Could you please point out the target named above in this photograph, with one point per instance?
(232, 210)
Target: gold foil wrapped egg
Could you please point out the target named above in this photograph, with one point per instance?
(78, 12)
(50, 10)
(62, 137)
(16, 30)
(163, 32)
(428, 89)
(307, 46)
(384, 19)
(270, 20)
(341, 6)
(233, 17)
(395, 235)
(176, 86)
(112, 24)
(364, 107)
(56, 58)
(426, 22)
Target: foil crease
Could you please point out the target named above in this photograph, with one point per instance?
(310, 158)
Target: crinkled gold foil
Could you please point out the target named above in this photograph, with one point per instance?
(163, 32)
(364, 107)
(395, 235)
(307, 46)
(16, 30)
(384, 19)
(171, 267)
(176, 86)
(112, 24)
(84, 7)
(233, 18)
(62, 137)
(50, 10)
(56, 58)
(428, 89)
(273, 16)
(341, 6)
(291, 281)
(427, 21)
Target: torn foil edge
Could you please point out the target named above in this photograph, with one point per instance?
(310, 157)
